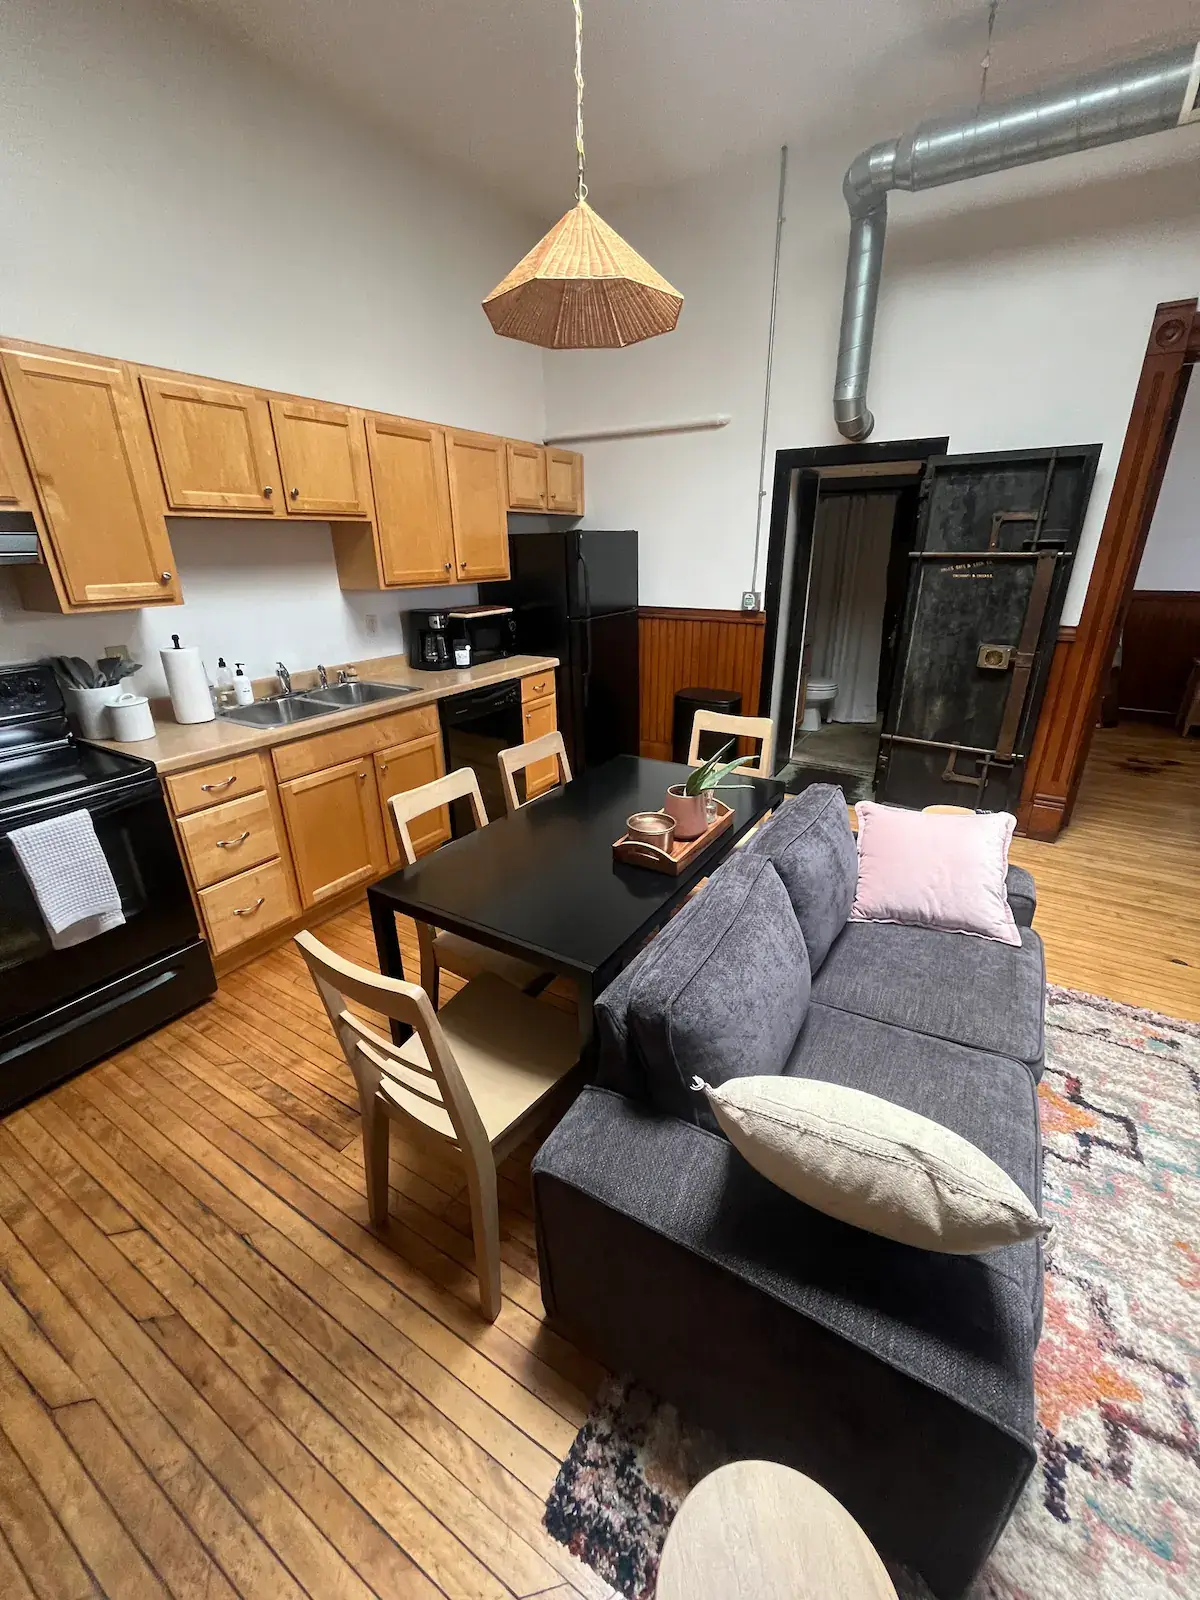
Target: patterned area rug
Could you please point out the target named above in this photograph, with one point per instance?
(1112, 1511)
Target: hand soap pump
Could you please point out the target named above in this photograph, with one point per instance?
(243, 689)
(225, 694)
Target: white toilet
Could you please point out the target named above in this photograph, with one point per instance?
(819, 695)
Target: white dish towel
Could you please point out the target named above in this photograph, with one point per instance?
(70, 878)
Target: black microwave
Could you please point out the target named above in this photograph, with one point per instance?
(490, 631)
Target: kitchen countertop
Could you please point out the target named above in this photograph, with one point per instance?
(178, 746)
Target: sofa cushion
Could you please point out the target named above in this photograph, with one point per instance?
(810, 843)
(874, 1164)
(987, 1099)
(722, 991)
(975, 992)
(1022, 895)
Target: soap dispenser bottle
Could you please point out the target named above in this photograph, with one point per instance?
(243, 689)
(225, 694)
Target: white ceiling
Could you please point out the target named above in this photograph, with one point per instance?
(674, 87)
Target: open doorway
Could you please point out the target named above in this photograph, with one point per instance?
(850, 629)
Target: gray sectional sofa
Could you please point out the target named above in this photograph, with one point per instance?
(900, 1379)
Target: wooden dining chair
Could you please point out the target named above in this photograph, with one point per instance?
(760, 728)
(471, 1081)
(457, 954)
(523, 758)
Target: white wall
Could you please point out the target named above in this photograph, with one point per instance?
(1014, 313)
(172, 199)
(1171, 559)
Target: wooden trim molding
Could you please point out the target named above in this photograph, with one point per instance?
(1080, 665)
(680, 648)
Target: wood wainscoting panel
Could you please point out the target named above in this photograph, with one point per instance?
(684, 649)
(1160, 640)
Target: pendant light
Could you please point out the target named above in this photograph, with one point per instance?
(582, 287)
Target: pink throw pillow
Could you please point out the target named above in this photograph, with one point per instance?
(935, 871)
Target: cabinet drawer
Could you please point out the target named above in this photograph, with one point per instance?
(209, 786)
(537, 686)
(243, 907)
(228, 839)
(302, 756)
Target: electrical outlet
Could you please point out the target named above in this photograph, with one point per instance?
(121, 651)
(371, 623)
(751, 600)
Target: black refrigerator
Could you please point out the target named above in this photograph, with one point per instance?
(574, 595)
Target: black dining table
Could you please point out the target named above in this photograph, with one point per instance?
(542, 883)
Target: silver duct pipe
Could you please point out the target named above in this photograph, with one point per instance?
(1123, 102)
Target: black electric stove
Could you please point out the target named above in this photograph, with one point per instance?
(60, 1010)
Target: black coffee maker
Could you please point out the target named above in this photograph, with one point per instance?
(428, 635)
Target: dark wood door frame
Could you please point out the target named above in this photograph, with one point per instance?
(1072, 700)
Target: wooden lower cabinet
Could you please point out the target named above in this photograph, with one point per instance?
(540, 717)
(335, 829)
(247, 906)
(405, 767)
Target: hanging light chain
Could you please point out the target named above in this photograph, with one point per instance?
(580, 187)
(986, 64)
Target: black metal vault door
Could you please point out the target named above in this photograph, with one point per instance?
(996, 539)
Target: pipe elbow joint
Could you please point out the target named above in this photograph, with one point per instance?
(869, 177)
(854, 418)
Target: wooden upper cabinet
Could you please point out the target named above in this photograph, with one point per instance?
(16, 486)
(323, 459)
(526, 476)
(564, 481)
(335, 828)
(479, 503)
(215, 447)
(412, 501)
(88, 444)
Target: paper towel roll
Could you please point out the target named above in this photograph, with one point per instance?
(187, 684)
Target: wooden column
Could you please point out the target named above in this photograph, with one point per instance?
(1077, 676)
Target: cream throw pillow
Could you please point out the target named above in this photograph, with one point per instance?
(873, 1164)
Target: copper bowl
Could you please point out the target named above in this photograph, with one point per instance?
(651, 827)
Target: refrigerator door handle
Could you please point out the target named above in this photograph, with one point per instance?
(587, 626)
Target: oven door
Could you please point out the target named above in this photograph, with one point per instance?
(135, 834)
(475, 728)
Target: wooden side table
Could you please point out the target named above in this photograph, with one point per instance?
(757, 1528)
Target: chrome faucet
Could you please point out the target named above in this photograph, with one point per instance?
(284, 676)
(322, 676)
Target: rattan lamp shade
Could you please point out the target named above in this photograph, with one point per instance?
(583, 288)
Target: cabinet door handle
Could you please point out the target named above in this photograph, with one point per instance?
(164, 577)
(463, 565)
(295, 494)
(448, 568)
(229, 844)
(267, 491)
(382, 767)
(211, 788)
(248, 911)
(362, 777)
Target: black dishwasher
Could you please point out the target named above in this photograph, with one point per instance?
(476, 726)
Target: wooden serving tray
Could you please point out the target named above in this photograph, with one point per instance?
(682, 852)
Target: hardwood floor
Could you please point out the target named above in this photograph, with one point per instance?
(216, 1382)
(1119, 891)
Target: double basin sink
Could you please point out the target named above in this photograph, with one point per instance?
(307, 703)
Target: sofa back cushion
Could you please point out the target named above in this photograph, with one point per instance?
(722, 991)
(810, 844)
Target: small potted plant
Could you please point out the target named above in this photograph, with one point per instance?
(688, 802)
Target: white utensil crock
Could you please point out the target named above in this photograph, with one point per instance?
(89, 708)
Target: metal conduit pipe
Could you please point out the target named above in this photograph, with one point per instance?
(1150, 95)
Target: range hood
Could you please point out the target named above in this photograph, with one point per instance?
(18, 539)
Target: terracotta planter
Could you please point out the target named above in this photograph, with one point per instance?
(689, 810)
